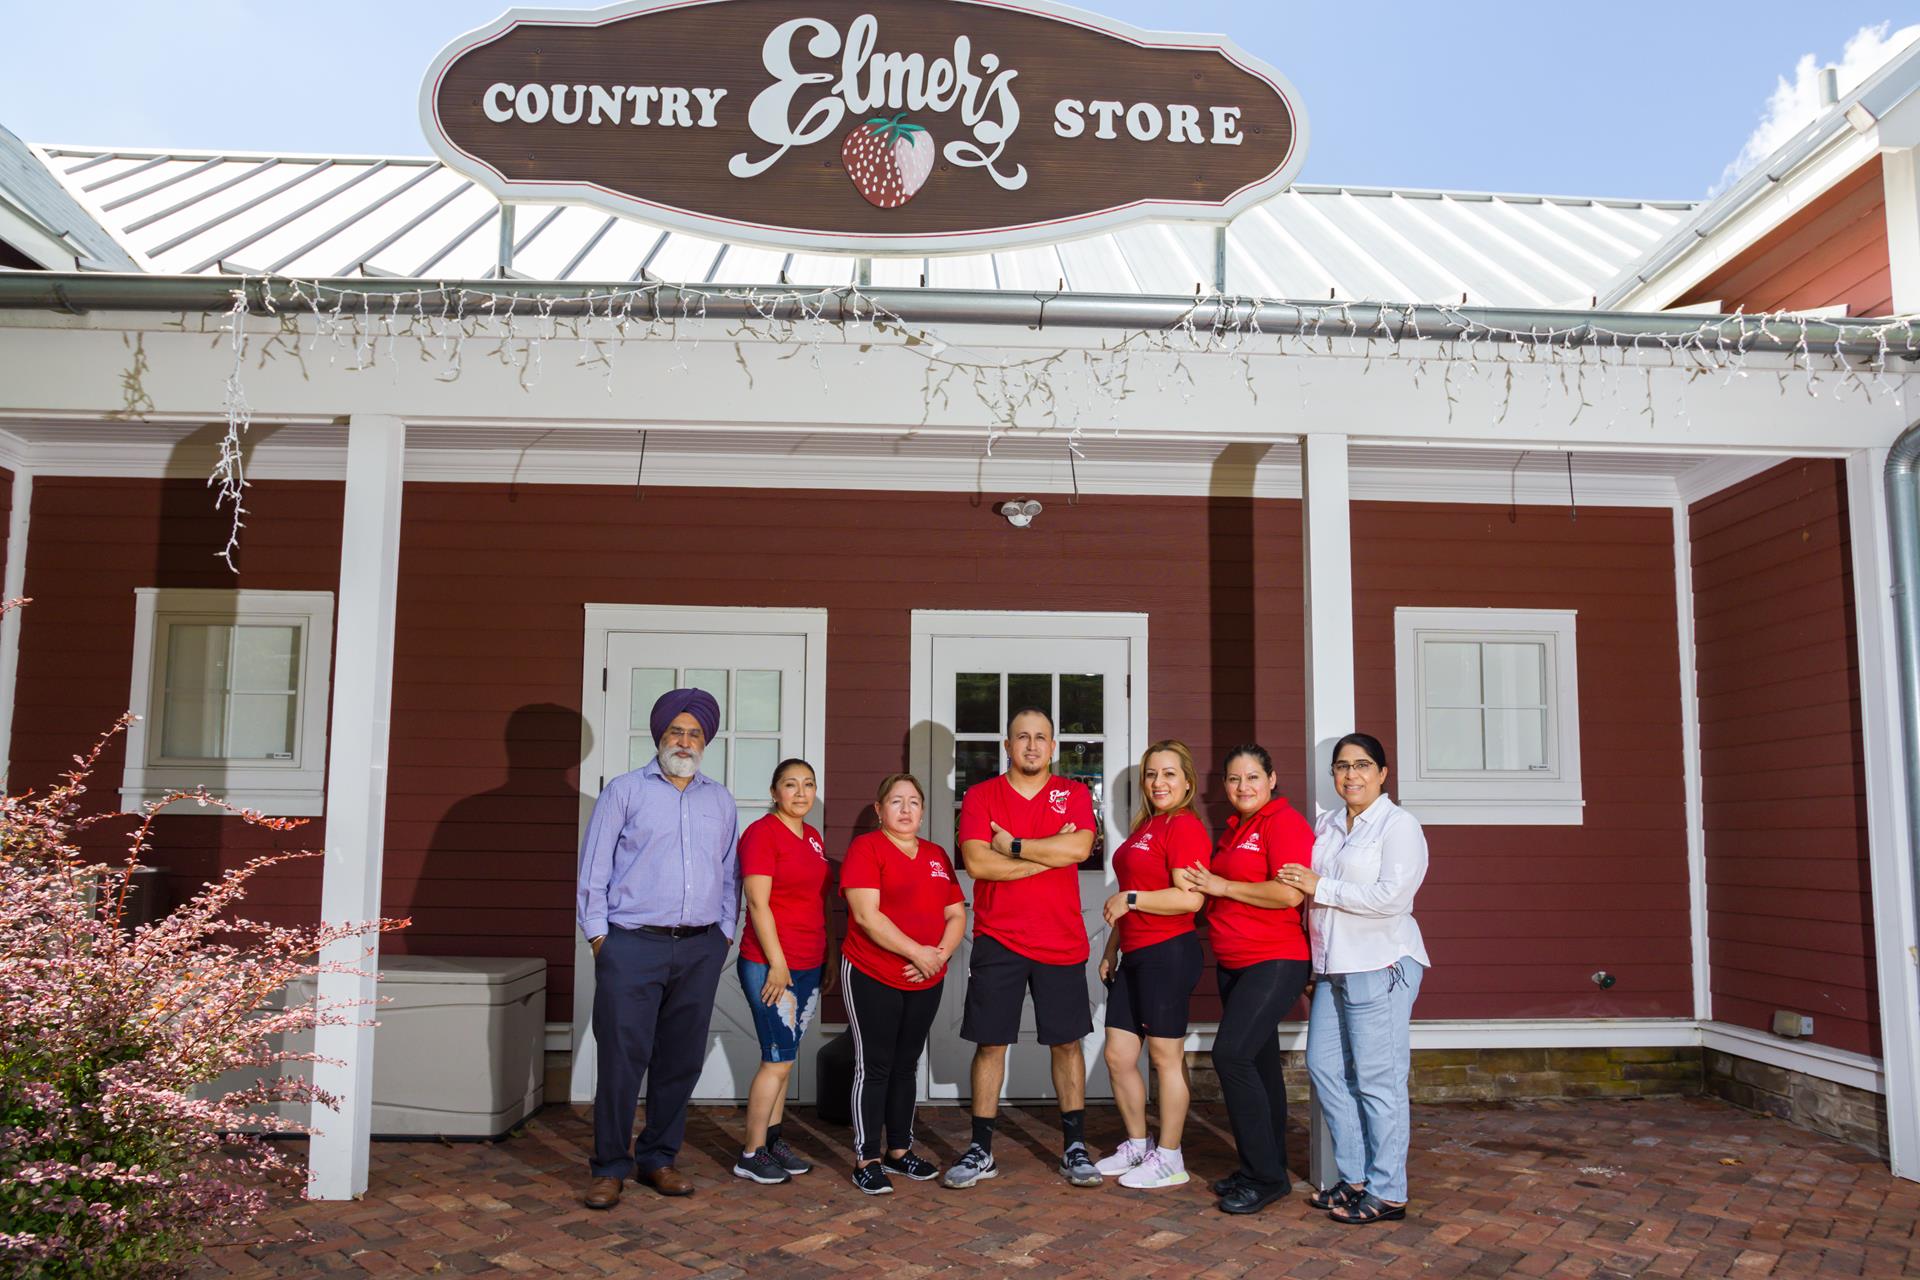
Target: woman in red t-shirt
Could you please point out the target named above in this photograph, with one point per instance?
(906, 916)
(1152, 965)
(1261, 948)
(783, 869)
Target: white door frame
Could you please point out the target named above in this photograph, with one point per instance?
(603, 620)
(931, 624)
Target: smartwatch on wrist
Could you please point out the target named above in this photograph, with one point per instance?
(1015, 850)
(1133, 899)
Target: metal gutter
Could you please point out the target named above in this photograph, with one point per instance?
(1903, 532)
(98, 291)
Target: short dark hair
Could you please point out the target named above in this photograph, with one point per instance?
(788, 763)
(1030, 711)
(893, 780)
(1366, 742)
(1253, 749)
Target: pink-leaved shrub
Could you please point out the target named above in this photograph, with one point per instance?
(116, 1158)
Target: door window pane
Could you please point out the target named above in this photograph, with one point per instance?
(714, 762)
(1453, 674)
(757, 709)
(1083, 762)
(266, 659)
(1082, 703)
(976, 702)
(1454, 740)
(648, 684)
(714, 681)
(753, 762)
(1030, 690)
(640, 748)
(973, 762)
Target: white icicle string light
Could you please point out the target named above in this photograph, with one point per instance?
(1068, 388)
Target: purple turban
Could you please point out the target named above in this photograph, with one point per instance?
(697, 703)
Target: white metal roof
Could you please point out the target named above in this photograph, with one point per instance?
(183, 212)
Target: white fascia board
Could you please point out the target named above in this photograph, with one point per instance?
(1763, 213)
(1714, 475)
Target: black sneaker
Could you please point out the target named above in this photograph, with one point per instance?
(760, 1167)
(1076, 1166)
(787, 1158)
(975, 1166)
(1238, 1178)
(872, 1179)
(912, 1166)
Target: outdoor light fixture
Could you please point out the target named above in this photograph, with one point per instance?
(1020, 512)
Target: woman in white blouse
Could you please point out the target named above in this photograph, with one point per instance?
(1368, 861)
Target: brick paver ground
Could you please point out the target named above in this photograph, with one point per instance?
(1668, 1187)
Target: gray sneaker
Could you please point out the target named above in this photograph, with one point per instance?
(1077, 1167)
(975, 1166)
(787, 1158)
(760, 1167)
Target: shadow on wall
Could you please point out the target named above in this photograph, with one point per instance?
(498, 877)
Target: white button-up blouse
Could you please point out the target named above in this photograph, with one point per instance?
(1360, 918)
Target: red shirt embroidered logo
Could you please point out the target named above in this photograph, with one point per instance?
(937, 869)
(1058, 800)
(1252, 842)
(817, 847)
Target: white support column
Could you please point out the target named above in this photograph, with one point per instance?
(1690, 757)
(1900, 180)
(1325, 535)
(12, 587)
(1888, 834)
(357, 794)
(1325, 538)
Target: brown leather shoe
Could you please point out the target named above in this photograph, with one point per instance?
(603, 1193)
(667, 1180)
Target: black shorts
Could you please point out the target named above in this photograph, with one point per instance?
(998, 980)
(1153, 987)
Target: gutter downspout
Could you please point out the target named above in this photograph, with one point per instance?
(1903, 531)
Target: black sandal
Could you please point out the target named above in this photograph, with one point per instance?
(1339, 1195)
(1367, 1207)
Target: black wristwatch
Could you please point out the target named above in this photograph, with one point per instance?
(1014, 849)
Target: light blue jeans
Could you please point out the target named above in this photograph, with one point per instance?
(1358, 1055)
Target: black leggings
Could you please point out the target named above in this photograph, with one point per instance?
(889, 1028)
(1246, 1056)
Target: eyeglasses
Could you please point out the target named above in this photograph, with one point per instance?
(1343, 767)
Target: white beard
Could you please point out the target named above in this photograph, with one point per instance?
(675, 765)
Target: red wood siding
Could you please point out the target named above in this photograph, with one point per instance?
(1833, 251)
(6, 512)
(93, 543)
(1517, 919)
(1788, 890)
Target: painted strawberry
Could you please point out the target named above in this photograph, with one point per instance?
(888, 160)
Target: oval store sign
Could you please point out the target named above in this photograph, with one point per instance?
(890, 126)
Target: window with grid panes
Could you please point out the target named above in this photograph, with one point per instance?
(985, 700)
(746, 747)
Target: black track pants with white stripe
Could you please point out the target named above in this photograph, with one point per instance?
(889, 1028)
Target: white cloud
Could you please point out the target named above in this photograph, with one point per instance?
(1794, 104)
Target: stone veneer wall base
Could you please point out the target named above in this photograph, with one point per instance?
(1836, 1110)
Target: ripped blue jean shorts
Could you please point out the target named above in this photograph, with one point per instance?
(782, 1024)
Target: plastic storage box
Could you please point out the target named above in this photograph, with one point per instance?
(461, 1047)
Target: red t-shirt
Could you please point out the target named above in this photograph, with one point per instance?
(798, 865)
(1038, 917)
(1254, 849)
(914, 893)
(1146, 862)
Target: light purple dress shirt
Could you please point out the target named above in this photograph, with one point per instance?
(655, 854)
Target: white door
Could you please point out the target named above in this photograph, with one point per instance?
(761, 680)
(975, 682)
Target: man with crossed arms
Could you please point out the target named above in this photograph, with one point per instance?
(1022, 837)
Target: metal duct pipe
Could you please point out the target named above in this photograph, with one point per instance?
(1903, 531)
(80, 292)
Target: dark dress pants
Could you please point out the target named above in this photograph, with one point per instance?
(652, 1001)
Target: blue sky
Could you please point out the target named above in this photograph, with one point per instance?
(1627, 99)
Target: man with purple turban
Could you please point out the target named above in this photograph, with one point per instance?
(659, 899)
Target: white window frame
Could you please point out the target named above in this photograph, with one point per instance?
(1489, 797)
(293, 788)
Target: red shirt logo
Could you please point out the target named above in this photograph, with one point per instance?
(815, 842)
(937, 869)
(1058, 799)
(1252, 842)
